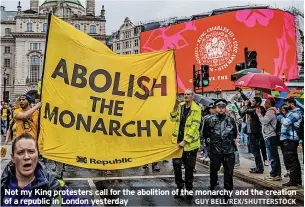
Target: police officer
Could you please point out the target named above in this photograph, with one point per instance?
(222, 131)
(187, 118)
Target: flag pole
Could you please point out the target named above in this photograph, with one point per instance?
(43, 69)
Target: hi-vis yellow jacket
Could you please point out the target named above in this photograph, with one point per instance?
(192, 124)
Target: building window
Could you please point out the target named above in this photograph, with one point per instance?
(92, 29)
(34, 46)
(29, 27)
(7, 49)
(7, 31)
(135, 31)
(118, 46)
(34, 69)
(128, 34)
(136, 43)
(127, 44)
(136, 51)
(45, 27)
(7, 79)
(6, 95)
(77, 26)
(7, 63)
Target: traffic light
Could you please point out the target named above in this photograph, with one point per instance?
(240, 67)
(205, 75)
(251, 59)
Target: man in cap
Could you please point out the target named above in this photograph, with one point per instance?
(27, 117)
(222, 131)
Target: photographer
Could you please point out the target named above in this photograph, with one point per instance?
(25, 173)
(254, 131)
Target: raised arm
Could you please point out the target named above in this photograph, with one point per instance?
(265, 119)
(27, 114)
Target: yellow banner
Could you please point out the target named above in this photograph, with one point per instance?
(102, 110)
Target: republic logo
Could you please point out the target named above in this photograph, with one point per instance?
(81, 159)
(103, 162)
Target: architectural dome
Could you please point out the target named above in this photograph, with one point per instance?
(70, 1)
(62, 8)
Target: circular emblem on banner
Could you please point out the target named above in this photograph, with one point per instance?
(216, 47)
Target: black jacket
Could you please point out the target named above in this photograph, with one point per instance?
(222, 132)
(253, 120)
(46, 179)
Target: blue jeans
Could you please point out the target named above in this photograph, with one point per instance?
(274, 157)
(4, 126)
(243, 136)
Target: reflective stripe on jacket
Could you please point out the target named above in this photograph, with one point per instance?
(191, 129)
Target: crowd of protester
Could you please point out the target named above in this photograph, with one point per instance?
(216, 131)
(265, 129)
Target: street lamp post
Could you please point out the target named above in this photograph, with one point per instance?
(4, 85)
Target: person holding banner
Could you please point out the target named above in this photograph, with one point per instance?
(27, 117)
(187, 118)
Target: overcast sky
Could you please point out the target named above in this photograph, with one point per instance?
(117, 10)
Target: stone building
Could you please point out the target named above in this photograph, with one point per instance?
(127, 39)
(23, 36)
